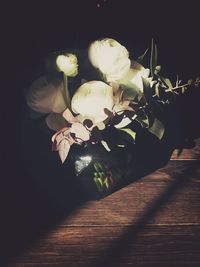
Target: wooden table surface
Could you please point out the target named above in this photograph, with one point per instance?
(154, 221)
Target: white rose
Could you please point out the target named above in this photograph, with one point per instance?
(68, 64)
(91, 99)
(45, 97)
(110, 57)
(133, 79)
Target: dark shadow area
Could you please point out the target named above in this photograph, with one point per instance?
(36, 192)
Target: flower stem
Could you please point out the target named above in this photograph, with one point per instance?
(66, 91)
(177, 87)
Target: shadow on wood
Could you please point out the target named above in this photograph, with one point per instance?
(125, 244)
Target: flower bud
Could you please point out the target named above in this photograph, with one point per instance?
(68, 64)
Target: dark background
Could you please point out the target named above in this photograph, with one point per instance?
(29, 32)
(32, 31)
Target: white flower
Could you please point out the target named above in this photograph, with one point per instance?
(110, 57)
(91, 99)
(133, 79)
(45, 97)
(68, 64)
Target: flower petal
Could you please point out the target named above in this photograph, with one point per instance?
(110, 57)
(67, 64)
(80, 131)
(69, 116)
(55, 121)
(91, 99)
(45, 97)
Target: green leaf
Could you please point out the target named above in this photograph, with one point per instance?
(147, 90)
(142, 118)
(101, 175)
(105, 145)
(143, 121)
(146, 122)
(166, 82)
(153, 58)
(197, 82)
(106, 182)
(129, 132)
(98, 167)
(98, 183)
(157, 69)
(140, 58)
(157, 129)
(157, 89)
(190, 81)
(130, 92)
(123, 123)
(151, 118)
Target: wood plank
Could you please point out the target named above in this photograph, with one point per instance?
(154, 221)
(166, 204)
(116, 246)
(176, 170)
(188, 153)
(168, 196)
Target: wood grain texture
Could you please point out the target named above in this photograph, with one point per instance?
(116, 246)
(128, 204)
(154, 221)
(188, 153)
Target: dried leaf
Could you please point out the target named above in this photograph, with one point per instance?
(63, 149)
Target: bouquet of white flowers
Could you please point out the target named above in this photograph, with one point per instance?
(109, 116)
